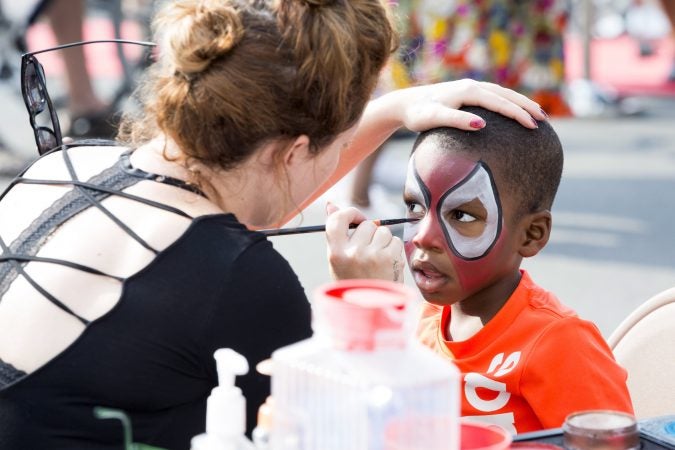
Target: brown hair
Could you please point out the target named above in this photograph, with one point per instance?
(234, 74)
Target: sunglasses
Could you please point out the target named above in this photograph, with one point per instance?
(43, 118)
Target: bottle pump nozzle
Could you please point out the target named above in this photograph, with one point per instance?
(226, 406)
(229, 364)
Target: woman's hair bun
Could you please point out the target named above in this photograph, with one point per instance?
(318, 2)
(196, 32)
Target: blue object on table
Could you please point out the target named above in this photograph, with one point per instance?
(660, 429)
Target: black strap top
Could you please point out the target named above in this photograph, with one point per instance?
(111, 181)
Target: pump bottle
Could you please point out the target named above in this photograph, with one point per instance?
(225, 407)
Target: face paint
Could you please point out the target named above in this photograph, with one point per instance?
(458, 206)
(478, 188)
(467, 194)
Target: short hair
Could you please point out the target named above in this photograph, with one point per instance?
(530, 161)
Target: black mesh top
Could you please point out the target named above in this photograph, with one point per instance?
(219, 285)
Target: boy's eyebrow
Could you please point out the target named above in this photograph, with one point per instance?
(470, 204)
(410, 197)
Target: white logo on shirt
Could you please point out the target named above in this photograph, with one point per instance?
(499, 396)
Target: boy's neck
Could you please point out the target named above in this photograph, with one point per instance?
(468, 316)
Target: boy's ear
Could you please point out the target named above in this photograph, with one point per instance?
(536, 231)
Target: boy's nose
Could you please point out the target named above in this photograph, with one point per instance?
(429, 235)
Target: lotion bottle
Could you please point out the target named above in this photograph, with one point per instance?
(225, 407)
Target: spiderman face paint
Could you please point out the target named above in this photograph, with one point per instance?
(453, 250)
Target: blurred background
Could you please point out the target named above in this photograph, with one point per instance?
(604, 70)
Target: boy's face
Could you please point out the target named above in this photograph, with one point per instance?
(461, 243)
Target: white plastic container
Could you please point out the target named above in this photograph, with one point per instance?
(362, 378)
(225, 407)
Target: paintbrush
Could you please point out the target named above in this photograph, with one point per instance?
(319, 228)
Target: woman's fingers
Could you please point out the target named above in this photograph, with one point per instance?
(338, 221)
(363, 234)
(438, 105)
(510, 104)
(368, 251)
(431, 115)
(331, 208)
(382, 238)
(533, 108)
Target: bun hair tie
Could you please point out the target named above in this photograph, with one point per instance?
(319, 2)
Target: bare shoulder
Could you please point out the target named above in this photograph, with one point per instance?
(88, 161)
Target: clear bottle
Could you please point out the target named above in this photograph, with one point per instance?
(225, 407)
(261, 432)
(362, 382)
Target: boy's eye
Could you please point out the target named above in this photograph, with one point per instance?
(461, 216)
(414, 209)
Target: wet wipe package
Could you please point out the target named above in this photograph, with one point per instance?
(660, 430)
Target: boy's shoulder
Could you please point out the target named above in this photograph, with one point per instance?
(541, 316)
(537, 299)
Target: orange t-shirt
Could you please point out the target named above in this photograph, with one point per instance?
(533, 364)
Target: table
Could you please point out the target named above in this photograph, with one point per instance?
(655, 434)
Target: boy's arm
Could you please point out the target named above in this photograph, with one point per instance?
(424, 107)
(572, 369)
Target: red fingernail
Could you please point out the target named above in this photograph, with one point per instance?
(477, 123)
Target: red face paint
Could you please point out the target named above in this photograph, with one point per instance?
(454, 250)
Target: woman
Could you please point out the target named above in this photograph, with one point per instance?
(116, 292)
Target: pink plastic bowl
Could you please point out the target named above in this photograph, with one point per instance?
(434, 434)
(478, 436)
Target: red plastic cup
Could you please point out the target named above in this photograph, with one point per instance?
(360, 315)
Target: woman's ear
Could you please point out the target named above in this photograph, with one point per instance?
(537, 230)
(286, 153)
(298, 151)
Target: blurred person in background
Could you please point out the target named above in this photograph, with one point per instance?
(648, 21)
(89, 115)
(669, 9)
(514, 44)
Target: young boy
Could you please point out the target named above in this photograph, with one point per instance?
(483, 200)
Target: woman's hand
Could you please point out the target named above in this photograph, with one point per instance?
(421, 108)
(435, 105)
(368, 251)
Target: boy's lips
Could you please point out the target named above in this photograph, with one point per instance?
(427, 277)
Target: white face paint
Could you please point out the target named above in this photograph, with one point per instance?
(477, 186)
(462, 199)
(414, 193)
